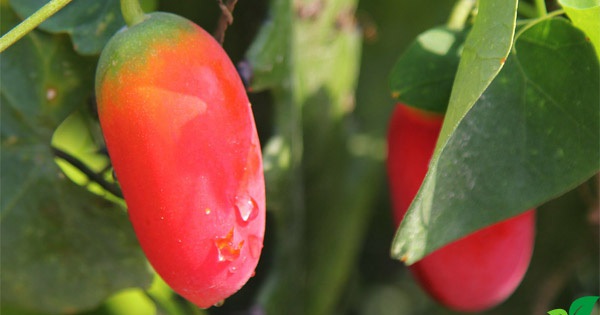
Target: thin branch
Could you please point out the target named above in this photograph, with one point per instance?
(91, 175)
(31, 22)
(225, 19)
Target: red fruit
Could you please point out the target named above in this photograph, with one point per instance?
(478, 271)
(181, 136)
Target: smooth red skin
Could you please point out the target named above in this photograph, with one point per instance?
(181, 136)
(478, 271)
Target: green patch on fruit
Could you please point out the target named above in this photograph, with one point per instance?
(526, 139)
(130, 47)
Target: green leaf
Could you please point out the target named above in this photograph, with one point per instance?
(585, 14)
(558, 312)
(69, 249)
(269, 54)
(486, 48)
(423, 76)
(583, 305)
(530, 137)
(89, 23)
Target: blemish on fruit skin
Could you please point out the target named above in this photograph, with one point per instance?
(404, 258)
(207, 211)
(51, 94)
(226, 247)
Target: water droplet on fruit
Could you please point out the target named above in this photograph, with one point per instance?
(246, 207)
(227, 248)
(255, 246)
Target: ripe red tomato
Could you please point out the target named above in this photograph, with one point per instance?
(181, 136)
(478, 271)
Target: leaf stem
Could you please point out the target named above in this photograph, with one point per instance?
(31, 22)
(530, 23)
(132, 12)
(460, 13)
(91, 175)
(540, 5)
(225, 19)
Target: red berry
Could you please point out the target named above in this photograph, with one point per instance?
(181, 136)
(478, 271)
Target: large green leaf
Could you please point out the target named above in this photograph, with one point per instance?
(423, 76)
(90, 23)
(64, 249)
(585, 14)
(530, 137)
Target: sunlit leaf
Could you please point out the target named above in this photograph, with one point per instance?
(585, 14)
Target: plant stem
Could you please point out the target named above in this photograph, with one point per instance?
(225, 20)
(460, 14)
(91, 175)
(527, 10)
(132, 12)
(540, 5)
(31, 22)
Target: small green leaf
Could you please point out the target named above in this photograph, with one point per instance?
(268, 55)
(423, 76)
(530, 137)
(585, 14)
(89, 23)
(558, 311)
(583, 305)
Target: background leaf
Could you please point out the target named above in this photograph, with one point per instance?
(423, 76)
(529, 136)
(58, 234)
(89, 23)
(585, 14)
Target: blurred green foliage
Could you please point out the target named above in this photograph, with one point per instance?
(321, 99)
